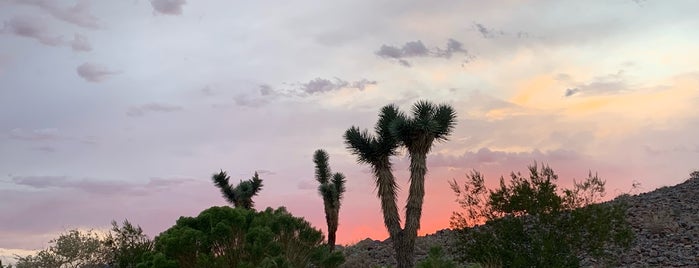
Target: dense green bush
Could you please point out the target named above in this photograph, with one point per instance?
(436, 259)
(236, 237)
(530, 224)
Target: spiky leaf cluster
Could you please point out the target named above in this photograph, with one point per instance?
(332, 186)
(240, 195)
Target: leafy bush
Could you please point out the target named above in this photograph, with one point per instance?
(125, 246)
(236, 237)
(529, 224)
(436, 259)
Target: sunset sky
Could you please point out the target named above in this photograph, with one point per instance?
(124, 109)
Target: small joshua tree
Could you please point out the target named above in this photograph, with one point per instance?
(241, 195)
(331, 189)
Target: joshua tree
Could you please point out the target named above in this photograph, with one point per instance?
(331, 189)
(241, 195)
(417, 132)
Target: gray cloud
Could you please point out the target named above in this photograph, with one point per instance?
(251, 101)
(93, 186)
(571, 91)
(45, 134)
(601, 85)
(318, 85)
(485, 156)
(33, 28)
(415, 49)
(152, 107)
(265, 172)
(321, 85)
(490, 33)
(94, 73)
(79, 14)
(46, 149)
(307, 185)
(80, 43)
(168, 7)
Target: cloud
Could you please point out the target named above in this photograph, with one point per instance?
(152, 107)
(79, 14)
(168, 7)
(486, 156)
(265, 172)
(80, 43)
(94, 73)
(46, 149)
(321, 85)
(601, 85)
(33, 28)
(315, 86)
(307, 185)
(571, 91)
(414, 49)
(490, 33)
(93, 186)
(45, 134)
(250, 101)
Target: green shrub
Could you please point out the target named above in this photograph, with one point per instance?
(436, 259)
(236, 237)
(529, 224)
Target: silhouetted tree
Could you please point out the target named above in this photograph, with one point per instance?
(241, 238)
(331, 189)
(416, 132)
(240, 195)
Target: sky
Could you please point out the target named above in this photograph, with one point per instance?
(113, 110)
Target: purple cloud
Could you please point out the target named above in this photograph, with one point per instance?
(168, 7)
(152, 107)
(94, 73)
(416, 49)
(33, 28)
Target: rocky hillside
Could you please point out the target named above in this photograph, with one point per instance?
(665, 223)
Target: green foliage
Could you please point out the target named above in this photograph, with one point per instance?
(529, 224)
(331, 189)
(236, 237)
(126, 245)
(436, 259)
(240, 195)
(74, 248)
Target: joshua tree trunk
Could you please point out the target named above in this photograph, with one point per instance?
(413, 213)
(405, 248)
(387, 192)
(332, 229)
(428, 123)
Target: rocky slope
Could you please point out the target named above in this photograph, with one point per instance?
(665, 223)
